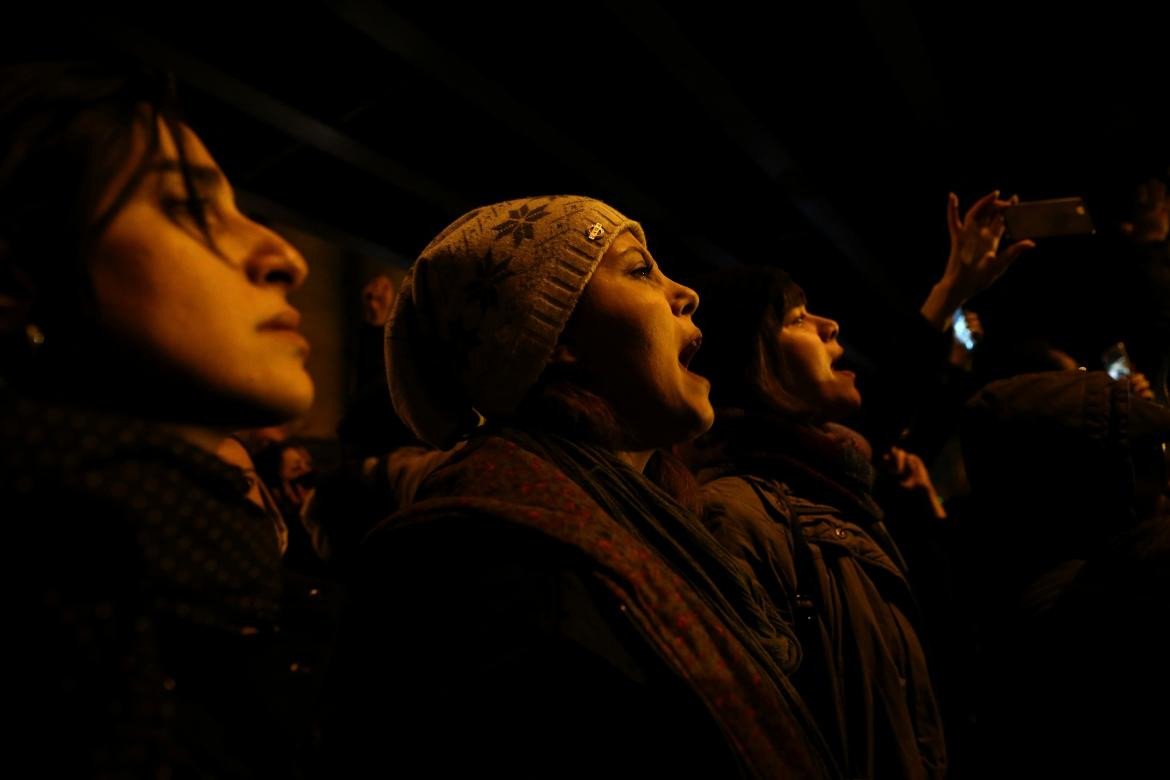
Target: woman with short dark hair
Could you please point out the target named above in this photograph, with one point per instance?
(788, 489)
(142, 319)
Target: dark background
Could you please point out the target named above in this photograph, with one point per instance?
(820, 137)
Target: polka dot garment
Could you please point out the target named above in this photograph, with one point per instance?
(151, 589)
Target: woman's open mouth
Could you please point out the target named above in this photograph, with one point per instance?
(840, 366)
(689, 351)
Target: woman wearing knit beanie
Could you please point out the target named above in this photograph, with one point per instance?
(788, 489)
(544, 608)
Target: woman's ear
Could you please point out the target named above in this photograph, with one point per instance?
(562, 355)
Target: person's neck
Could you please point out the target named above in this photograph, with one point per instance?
(207, 439)
(637, 459)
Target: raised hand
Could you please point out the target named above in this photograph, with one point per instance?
(909, 472)
(975, 259)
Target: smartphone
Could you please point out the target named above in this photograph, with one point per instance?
(963, 334)
(1116, 361)
(1045, 218)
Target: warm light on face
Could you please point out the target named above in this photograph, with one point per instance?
(632, 334)
(202, 305)
(808, 349)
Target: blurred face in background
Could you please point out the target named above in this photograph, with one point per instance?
(232, 451)
(296, 475)
(377, 300)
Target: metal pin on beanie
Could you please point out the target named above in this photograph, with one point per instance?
(485, 303)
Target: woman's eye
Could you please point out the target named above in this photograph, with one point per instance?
(178, 208)
(644, 271)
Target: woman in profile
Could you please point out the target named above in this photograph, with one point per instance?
(547, 607)
(788, 490)
(143, 318)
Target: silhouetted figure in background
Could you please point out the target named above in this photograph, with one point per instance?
(370, 426)
(1071, 564)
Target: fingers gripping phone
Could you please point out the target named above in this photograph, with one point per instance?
(1045, 218)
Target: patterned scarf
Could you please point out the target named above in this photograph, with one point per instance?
(689, 600)
(662, 524)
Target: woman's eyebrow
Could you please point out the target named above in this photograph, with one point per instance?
(640, 251)
(200, 174)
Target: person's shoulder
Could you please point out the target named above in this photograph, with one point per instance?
(58, 440)
(491, 519)
(729, 489)
(115, 481)
(745, 492)
(739, 509)
(488, 489)
(494, 452)
(494, 468)
(761, 501)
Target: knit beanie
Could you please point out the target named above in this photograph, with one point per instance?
(482, 307)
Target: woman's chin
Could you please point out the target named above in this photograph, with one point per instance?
(698, 422)
(680, 428)
(706, 418)
(257, 410)
(277, 411)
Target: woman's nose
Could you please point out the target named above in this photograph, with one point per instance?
(685, 300)
(271, 261)
(828, 328)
